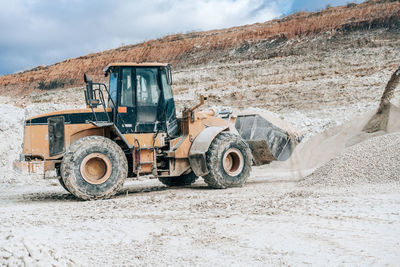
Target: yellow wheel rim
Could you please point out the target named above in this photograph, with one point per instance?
(96, 168)
(233, 162)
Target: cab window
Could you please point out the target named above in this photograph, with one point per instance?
(148, 94)
(148, 91)
(127, 88)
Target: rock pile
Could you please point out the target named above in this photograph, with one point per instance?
(19, 251)
(375, 160)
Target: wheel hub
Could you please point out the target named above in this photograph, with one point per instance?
(233, 162)
(96, 168)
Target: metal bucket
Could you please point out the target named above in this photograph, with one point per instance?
(267, 141)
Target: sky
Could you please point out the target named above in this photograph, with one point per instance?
(43, 32)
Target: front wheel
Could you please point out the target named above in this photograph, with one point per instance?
(228, 161)
(94, 167)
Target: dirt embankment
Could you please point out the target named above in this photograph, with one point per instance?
(281, 37)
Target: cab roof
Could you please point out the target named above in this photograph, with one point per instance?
(134, 64)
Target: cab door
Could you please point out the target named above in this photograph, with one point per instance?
(148, 95)
(126, 119)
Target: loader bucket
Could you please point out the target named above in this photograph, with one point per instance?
(267, 140)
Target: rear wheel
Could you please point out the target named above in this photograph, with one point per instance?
(228, 161)
(94, 167)
(186, 179)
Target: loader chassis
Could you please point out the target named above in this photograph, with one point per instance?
(39, 143)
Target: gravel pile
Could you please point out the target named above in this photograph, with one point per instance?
(375, 160)
(18, 251)
(11, 138)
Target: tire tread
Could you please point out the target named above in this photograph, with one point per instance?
(67, 166)
(215, 178)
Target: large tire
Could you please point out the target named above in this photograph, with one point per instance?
(186, 179)
(228, 161)
(94, 167)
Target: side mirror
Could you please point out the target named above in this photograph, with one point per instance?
(86, 78)
(89, 90)
(169, 75)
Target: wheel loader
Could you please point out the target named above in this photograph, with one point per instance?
(130, 128)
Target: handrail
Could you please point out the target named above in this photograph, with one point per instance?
(102, 101)
(154, 153)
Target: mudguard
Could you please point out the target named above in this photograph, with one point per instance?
(197, 153)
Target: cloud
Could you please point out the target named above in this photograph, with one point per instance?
(42, 32)
(312, 5)
(37, 32)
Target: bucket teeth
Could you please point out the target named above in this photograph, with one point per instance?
(267, 141)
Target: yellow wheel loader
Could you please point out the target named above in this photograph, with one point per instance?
(130, 128)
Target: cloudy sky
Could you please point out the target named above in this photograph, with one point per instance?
(43, 32)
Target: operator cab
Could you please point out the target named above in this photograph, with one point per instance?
(140, 95)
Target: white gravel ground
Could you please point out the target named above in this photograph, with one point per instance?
(20, 251)
(263, 223)
(273, 220)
